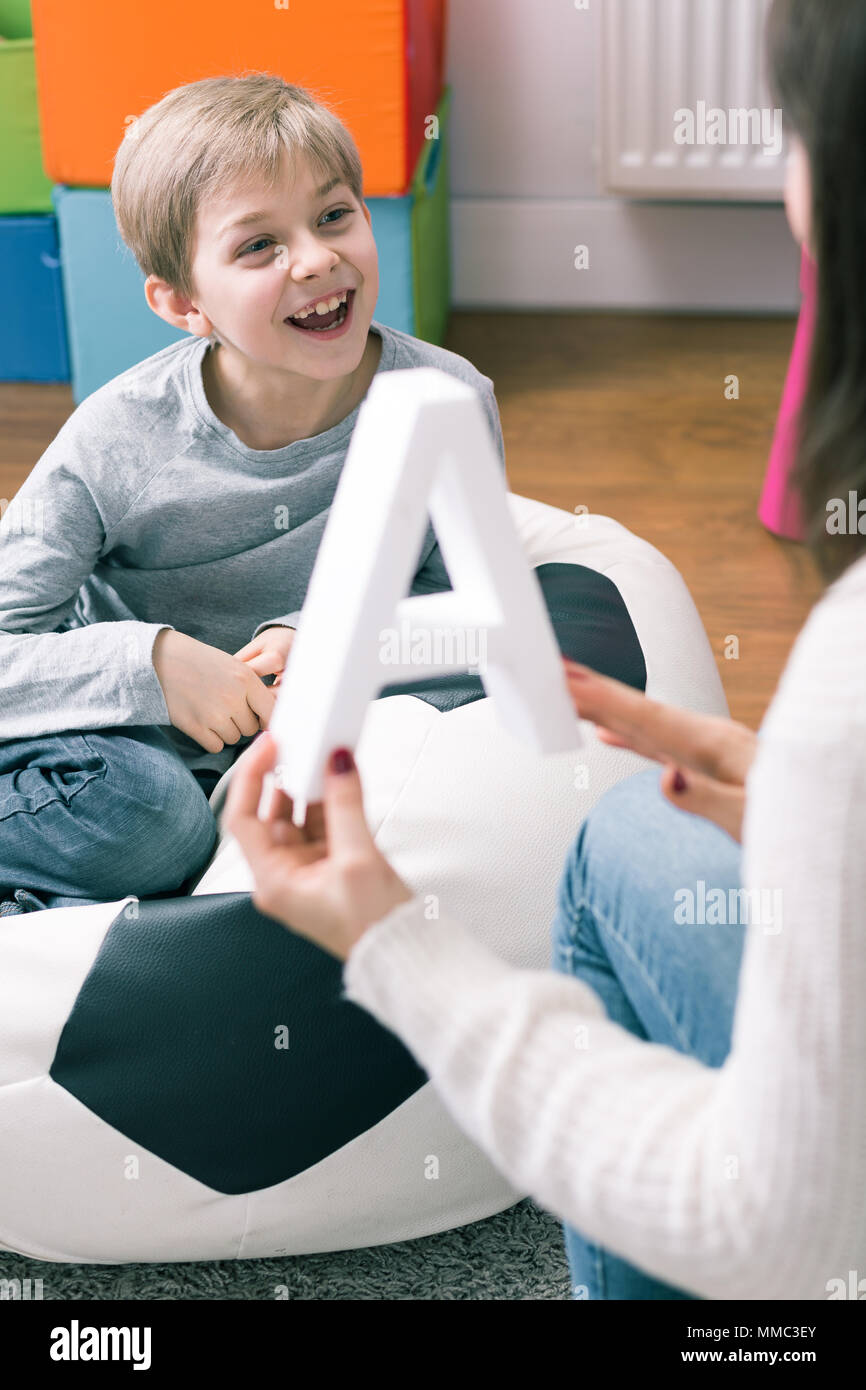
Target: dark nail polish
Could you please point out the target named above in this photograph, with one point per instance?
(679, 781)
(342, 760)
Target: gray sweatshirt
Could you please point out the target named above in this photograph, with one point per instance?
(147, 512)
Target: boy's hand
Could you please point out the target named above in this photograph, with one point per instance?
(211, 696)
(268, 653)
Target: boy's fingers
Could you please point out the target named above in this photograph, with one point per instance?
(246, 784)
(261, 701)
(267, 664)
(249, 650)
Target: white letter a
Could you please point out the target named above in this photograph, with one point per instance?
(422, 439)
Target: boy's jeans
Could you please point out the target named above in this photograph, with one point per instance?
(665, 980)
(94, 816)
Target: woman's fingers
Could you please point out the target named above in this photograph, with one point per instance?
(644, 724)
(715, 746)
(346, 824)
(280, 805)
(314, 823)
(614, 740)
(240, 816)
(720, 802)
(630, 720)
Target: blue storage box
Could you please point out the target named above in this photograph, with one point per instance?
(111, 326)
(33, 337)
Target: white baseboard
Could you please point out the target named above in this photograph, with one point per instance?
(673, 257)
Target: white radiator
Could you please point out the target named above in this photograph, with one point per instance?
(686, 111)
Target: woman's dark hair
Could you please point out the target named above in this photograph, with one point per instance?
(817, 69)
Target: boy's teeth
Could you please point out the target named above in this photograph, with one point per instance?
(324, 306)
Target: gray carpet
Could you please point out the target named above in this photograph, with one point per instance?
(517, 1254)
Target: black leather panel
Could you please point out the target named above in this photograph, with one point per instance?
(172, 1041)
(592, 626)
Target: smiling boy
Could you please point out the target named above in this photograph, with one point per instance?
(293, 366)
(183, 503)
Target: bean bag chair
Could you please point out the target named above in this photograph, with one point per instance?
(180, 1078)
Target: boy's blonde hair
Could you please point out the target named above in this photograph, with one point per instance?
(205, 137)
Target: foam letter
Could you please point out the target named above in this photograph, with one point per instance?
(421, 448)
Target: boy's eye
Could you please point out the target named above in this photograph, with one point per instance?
(263, 241)
(337, 212)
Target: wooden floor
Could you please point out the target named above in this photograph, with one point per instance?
(625, 415)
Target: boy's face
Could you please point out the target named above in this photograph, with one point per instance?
(313, 244)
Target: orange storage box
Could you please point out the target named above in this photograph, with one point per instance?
(378, 64)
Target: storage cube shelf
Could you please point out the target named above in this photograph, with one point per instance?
(66, 98)
(33, 341)
(111, 327)
(378, 65)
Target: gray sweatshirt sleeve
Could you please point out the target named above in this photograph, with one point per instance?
(431, 576)
(491, 407)
(94, 676)
(290, 620)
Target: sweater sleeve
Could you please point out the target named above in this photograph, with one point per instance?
(290, 620)
(85, 677)
(491, 409)
(744, 1181)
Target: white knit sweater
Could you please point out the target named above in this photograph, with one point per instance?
(745, 1181)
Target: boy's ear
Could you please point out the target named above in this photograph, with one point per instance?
(175, 308)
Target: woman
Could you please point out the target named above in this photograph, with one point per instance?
(685, 1092)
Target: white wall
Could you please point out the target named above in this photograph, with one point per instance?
(525, 185)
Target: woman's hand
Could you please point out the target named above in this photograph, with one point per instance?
(325, 880)
(706, 758)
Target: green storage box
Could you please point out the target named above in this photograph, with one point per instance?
(24, 187)
(431, 233)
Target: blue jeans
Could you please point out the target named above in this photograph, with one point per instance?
(88, 817)
(663, 980)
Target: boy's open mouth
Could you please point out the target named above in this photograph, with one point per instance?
(314, 321)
